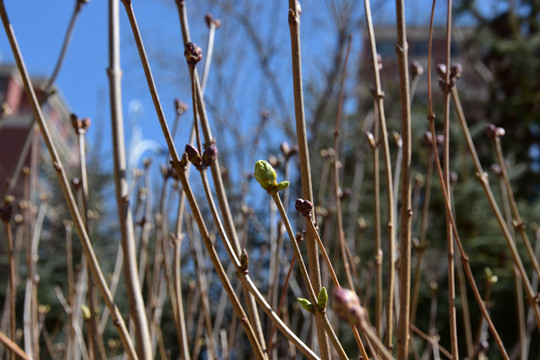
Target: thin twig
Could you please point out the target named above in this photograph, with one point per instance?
(125, 216)
(337, 188)
(518, 223)
(432, 341)
(518, 285)
(11, 345)
(406, 210)
(180, 323)
(217, 178)
(464, 257)
(83, 235)
(378, 98)
(305, 168)
(76, 11)
(482, 177)
(12, 282)
(446, 167)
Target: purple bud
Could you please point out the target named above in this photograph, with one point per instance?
(441, 71)
(193, 53)
(210, 154)
(347, 306)
(303, 206)
(180, 107)
(193, 155)
(456, 71)
(416, 69)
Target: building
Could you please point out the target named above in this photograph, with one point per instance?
(475, 75)
(21, 146)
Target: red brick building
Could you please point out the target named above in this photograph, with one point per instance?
(20, 140)
(474, 73)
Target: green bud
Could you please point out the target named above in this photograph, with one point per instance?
(282, 185)
(265, 175)
(306, 305)
(322, 298)
(85, 312)
(490, 277)
(244, 260)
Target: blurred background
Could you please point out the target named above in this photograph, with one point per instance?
(249, 100)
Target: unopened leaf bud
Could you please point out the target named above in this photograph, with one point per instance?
(76, 182)
(282, 185)
(244, 261)
(85, 310)
(193, 155)
(371, 140)
(193, 53)
(208, 19)
(494, 131)
(419, 179)
(324, 153)
(5, 110)
(211, 21)
(347, 306)
(428, 139)
(265, 175)
(210, 154)
(441, 71)
(273, 161)
(397, 138)
(490, 130)
(456, 71)
(285, 148)
(496, 169)
(75, 122)
(322, 299)
(86, 122)
(147, 162)
(306, 305)
(490, 277)
(440, 139)
(362, 224)
(304, 207)
(44, 309)
(180, 106)
(454, 177)
(416, 69)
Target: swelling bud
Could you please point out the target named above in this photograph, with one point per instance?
(265, 175)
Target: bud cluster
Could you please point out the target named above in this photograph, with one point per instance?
(180, 106)
(201, 162)
(211, 21)
(80, 125)
(455, 73)
(304, 207)
(495, 132)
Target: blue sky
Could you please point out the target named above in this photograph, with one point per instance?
(40, 27)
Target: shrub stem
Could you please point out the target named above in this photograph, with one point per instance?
(64, 184)
(406, 208)
(303, 152)
(482, 177)
(378, 99)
